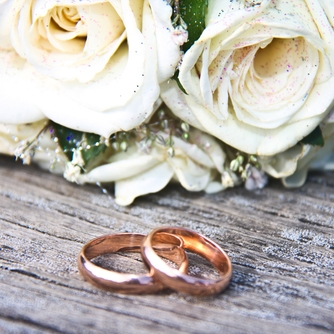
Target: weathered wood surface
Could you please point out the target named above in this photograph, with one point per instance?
(280, 241)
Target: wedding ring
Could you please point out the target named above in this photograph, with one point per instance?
(169, 246)
(181, 282)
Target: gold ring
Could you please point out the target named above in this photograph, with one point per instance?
(181, 282)
(169, 246)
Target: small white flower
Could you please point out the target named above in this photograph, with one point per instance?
(227, 180)
(77, 158)
(257, 179)
(15, 139)
(74, 167)
(180, 35)
(72, 172)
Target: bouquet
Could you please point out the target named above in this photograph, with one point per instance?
(209, 93)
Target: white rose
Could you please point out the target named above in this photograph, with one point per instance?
(260, 77)
(93, 66)
(149, 169)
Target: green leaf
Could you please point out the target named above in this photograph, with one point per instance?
(94, 151)
(315, 138)
(176, 78)
(193, 14)
(69, 140)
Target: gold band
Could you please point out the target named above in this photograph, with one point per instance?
(169, 246)
(179, 281)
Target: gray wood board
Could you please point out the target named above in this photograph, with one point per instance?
(280, 241)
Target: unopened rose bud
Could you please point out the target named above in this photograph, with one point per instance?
(171, 152)
(180, 35)
(164, 124)
(253, 159)
(234, 165)
(240, 159)
(185, 127)
(124, 146)
(115, 145)
(161, 114)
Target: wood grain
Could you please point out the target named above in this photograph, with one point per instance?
(280, 241)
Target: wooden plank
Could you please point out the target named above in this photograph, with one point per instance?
(280, 241)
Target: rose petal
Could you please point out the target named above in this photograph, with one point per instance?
(285, 163)
(297, 179)
(192, 176)
(211, 147)
(328, 7)
(213, 187)
(20, 88)
(193, 152)
(168, 53)
(120, 169)
(148, 182)
(7, 16)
